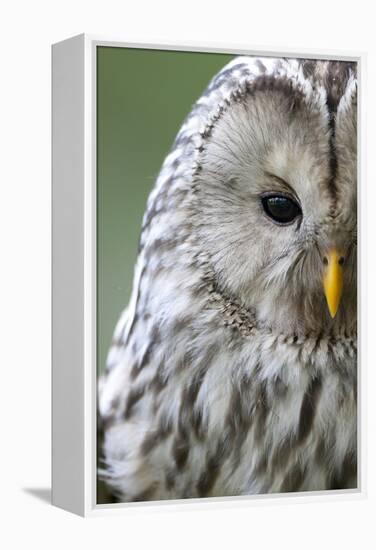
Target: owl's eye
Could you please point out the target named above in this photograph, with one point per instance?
(280, 208)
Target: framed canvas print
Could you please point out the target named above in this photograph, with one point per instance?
(206, 275)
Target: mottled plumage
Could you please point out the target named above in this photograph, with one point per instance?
(227, 375)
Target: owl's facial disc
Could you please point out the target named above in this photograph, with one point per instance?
(278, 240)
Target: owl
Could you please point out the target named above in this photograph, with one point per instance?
(233, 370)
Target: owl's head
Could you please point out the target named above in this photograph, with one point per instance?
(275, 193)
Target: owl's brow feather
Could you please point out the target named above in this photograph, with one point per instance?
(225, 144)
(245, 141)
(260, 126)
(249, 139)
(304, 141)
(229, 221)
(233, 200)
(220, 159)
(283, 183)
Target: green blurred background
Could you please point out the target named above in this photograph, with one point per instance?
(143, 97)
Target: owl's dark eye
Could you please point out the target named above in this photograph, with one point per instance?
(280, 208)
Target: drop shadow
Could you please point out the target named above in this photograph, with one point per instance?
(41, 493)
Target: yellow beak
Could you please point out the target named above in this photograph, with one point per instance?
(333, 280)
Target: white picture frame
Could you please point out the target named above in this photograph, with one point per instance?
(74, 378)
